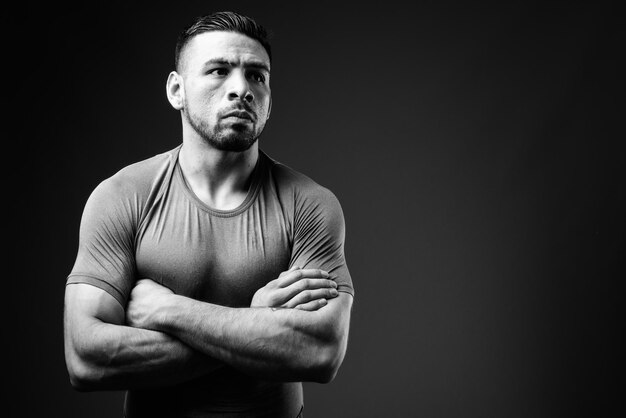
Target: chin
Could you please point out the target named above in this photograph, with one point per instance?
(233, 144)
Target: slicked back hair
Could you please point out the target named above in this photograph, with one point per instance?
(222, 21)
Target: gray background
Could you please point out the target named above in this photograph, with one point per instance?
(474, 151)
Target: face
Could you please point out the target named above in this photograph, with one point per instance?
(225, 93)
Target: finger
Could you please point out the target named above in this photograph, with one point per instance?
(312, 305)
(309, 295)
(302, 285)
(293, 276)
(293, 268)
(276, 283)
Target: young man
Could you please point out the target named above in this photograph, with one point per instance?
(210, 280)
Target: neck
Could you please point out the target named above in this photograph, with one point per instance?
(219, 178)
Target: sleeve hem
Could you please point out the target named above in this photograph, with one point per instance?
(345, 289)
(99, 283)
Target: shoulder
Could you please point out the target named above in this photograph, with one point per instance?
(289, 181)
(302, 197)
(130, 190)
(139, 179)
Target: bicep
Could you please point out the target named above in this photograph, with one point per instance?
(88, 310)
(319, 239)
(105, 258)
(86, 304)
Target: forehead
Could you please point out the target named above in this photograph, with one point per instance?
(230, 46)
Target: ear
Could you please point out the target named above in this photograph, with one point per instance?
(269, 109)
(175, 90)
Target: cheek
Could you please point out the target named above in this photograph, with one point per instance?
(208, 98)
(202, 95)
(203, 105)
(263, 106)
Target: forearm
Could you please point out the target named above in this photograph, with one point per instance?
(102, 353)
(119, 358)
(280, 344)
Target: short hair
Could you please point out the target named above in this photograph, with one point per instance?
(222, 21)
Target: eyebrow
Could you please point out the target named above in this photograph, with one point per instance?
(250, 64)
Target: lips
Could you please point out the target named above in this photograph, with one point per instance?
(241, 114)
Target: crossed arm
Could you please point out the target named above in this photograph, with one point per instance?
(295, 330)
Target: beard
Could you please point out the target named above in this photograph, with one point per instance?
(234, 138)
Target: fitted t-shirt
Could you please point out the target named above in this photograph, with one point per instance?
(146, 222)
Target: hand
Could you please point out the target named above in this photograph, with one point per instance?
(305, 289)
(145, 299)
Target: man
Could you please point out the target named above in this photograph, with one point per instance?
(210, 280)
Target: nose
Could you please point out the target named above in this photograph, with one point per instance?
(239, 88)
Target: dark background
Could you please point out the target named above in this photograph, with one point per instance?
(474, 151)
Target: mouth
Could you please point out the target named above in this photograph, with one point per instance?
(239, 114)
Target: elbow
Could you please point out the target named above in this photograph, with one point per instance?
(83, 376)
(81, 379)
(80, 383)
(327, 364)
(325, 374)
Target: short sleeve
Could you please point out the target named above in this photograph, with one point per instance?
(105, 256)
(319, 235)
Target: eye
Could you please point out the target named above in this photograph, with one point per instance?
(220, 71)
(257, 76)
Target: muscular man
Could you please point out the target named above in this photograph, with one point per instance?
(210, 279)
